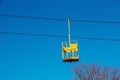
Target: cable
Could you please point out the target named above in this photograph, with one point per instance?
(58, 36)
(61, 19)
(31, 17)
(95, 21)
(28, 34)
(58, 19)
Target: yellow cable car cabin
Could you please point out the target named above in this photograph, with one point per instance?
(70, 51)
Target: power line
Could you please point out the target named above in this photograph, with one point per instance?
(60, 19)
(58, 36)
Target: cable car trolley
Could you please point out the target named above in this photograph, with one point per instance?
(70, 51)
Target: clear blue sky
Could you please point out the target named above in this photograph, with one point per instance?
(39, 58)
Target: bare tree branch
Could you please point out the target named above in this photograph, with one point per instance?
(96, 72)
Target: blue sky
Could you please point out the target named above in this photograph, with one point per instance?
(39, 58)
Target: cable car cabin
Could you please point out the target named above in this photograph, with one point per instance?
(70, 51)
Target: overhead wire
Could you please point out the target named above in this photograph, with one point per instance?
(59, 36)
(33, 17)
(61, 19)
(58, 19)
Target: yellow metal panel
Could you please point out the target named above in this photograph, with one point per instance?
(66, 49)
(73, 46)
